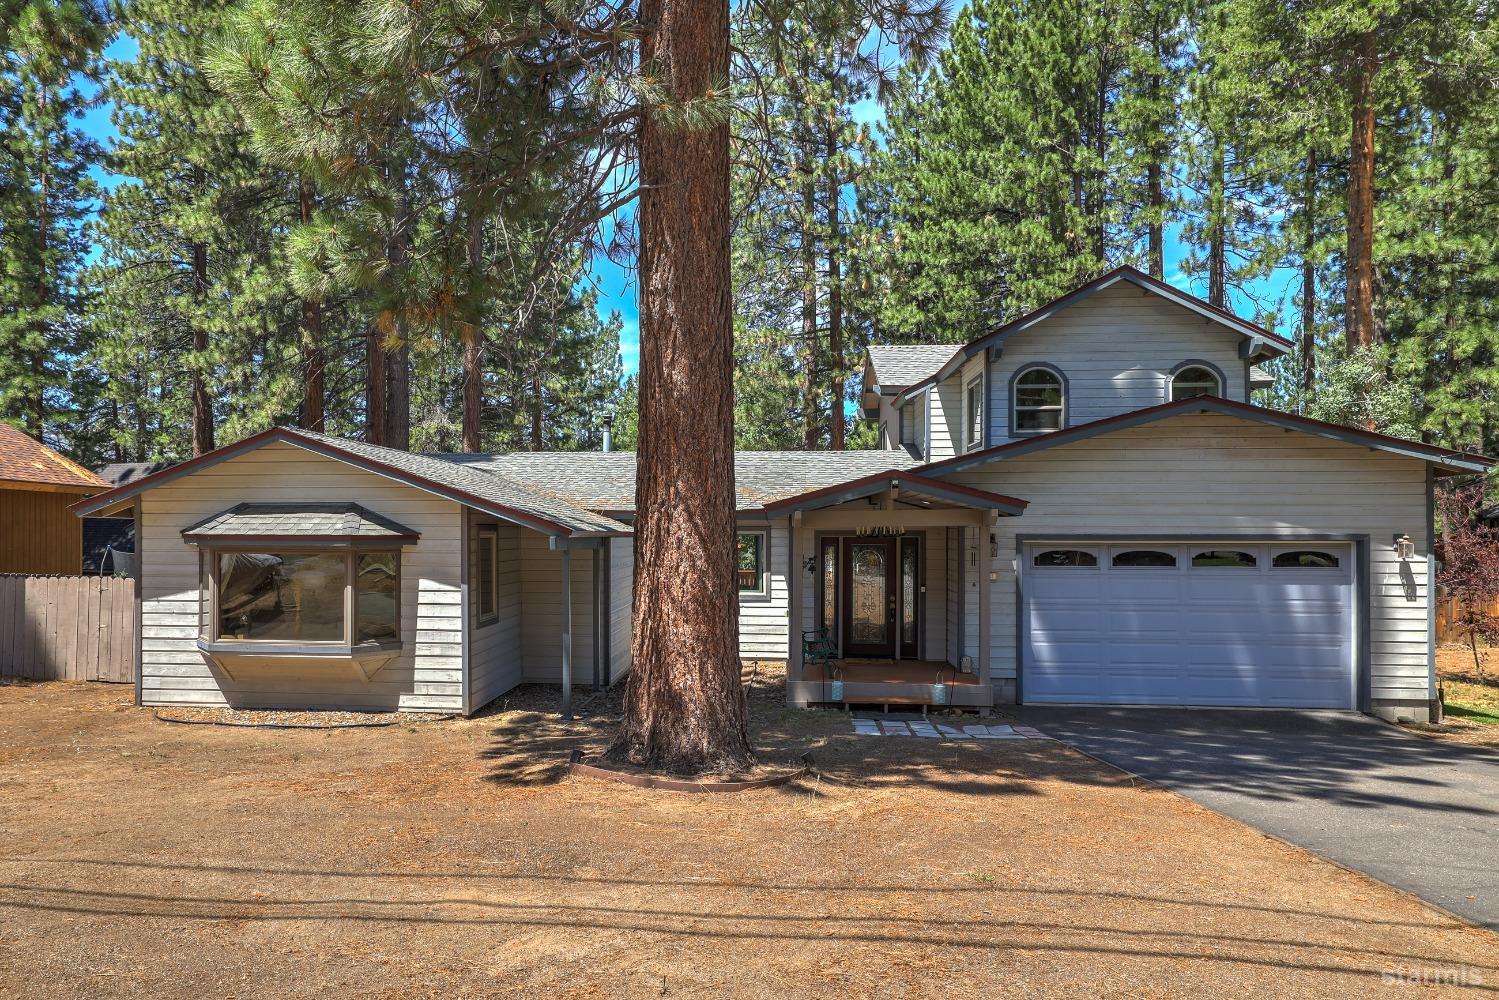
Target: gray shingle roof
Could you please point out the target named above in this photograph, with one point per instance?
(606, 480)
(899, 365)
(120, 473)
(291, 520)
(1260, 377)
(534, 500)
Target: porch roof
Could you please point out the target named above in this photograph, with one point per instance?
(907, 491)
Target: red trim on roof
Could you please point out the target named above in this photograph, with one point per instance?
(323, 448)
(897, 476)
(1218, 404)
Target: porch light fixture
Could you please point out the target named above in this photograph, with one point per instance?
(1404, 548)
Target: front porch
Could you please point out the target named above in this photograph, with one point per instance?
(888, 602)
(889, 682)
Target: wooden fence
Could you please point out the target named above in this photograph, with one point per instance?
(1446, 608)
(72, 628)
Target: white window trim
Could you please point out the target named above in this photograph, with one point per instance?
(1190, 366)
(973, 420)
(763, 591)
(489, 539)
(1016, 408)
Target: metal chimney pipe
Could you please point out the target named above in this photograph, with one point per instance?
(608, 432)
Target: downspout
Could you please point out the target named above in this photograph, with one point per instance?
(567, 634)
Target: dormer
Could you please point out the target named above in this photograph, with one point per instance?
(1120, 343)
(890, 370)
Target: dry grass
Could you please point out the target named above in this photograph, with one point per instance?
(1472, 698)
(458, 859)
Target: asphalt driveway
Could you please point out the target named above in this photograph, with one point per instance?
(1412, 812)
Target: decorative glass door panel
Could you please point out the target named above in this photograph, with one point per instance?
(910, 596)
(870, 575)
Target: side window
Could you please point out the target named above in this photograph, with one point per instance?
(749, 548)
(488, 574)
(973, 414)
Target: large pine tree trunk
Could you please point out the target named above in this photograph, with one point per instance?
(1309, 280)
(809, 303)
(202, 405)
(473, 339)
(1359, 315)
(312, 340)
(374, 385)
(684, 704)
(1217, 228)
(398, 364)
(835, 303)
(36, 407)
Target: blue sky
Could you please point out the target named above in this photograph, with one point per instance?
(616, 284)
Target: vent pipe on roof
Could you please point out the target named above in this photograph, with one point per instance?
(608, 432)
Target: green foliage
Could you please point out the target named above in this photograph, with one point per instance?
(46, 196)
(1357, 391)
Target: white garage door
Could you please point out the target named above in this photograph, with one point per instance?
(1221, 623)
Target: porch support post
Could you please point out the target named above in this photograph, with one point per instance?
(600, 617)
(567, 634)
(986, 521)
(794, 584)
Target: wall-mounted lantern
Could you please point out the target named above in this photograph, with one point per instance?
(1405, 549)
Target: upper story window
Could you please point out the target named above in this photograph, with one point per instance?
(1038, 401)
(908, 427)
(1195, 380)
(973, 413)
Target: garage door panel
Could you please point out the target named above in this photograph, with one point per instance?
(1259, 636)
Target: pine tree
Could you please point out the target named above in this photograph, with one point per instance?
(46, 196)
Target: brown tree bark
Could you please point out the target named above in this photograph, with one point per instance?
(1309, 280)
(809, 303)
(398, 362)
(374, 385)
(1155, 190)
(202, 405)
(1217, 229)
(312, 339)
(684, 703)
(1359, 313)
(537, 405)
(835, 302)
(473, 340)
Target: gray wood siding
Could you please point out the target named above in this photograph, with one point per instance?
(1203, 474)
(426, 675)
(494, 657)
(621, 605)
(1117, 349)
(541, 612)
(764, 621)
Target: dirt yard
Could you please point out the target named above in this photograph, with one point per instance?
(457, 860)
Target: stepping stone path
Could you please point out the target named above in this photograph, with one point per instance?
(938, 731)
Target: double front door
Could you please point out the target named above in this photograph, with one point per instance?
(881, 596)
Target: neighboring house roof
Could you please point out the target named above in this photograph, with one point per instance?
(120, 473)
(1449, 461)
(300, 521)
(899, 365)
(605, 481)
(1260, 377)
(1258, 342)
(535, 508)
(26, 463)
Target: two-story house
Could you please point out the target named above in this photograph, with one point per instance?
(1082, 506)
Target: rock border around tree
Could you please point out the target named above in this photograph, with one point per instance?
(585, 766)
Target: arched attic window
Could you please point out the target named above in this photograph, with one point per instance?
(1038, 400)
(1195, 380)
